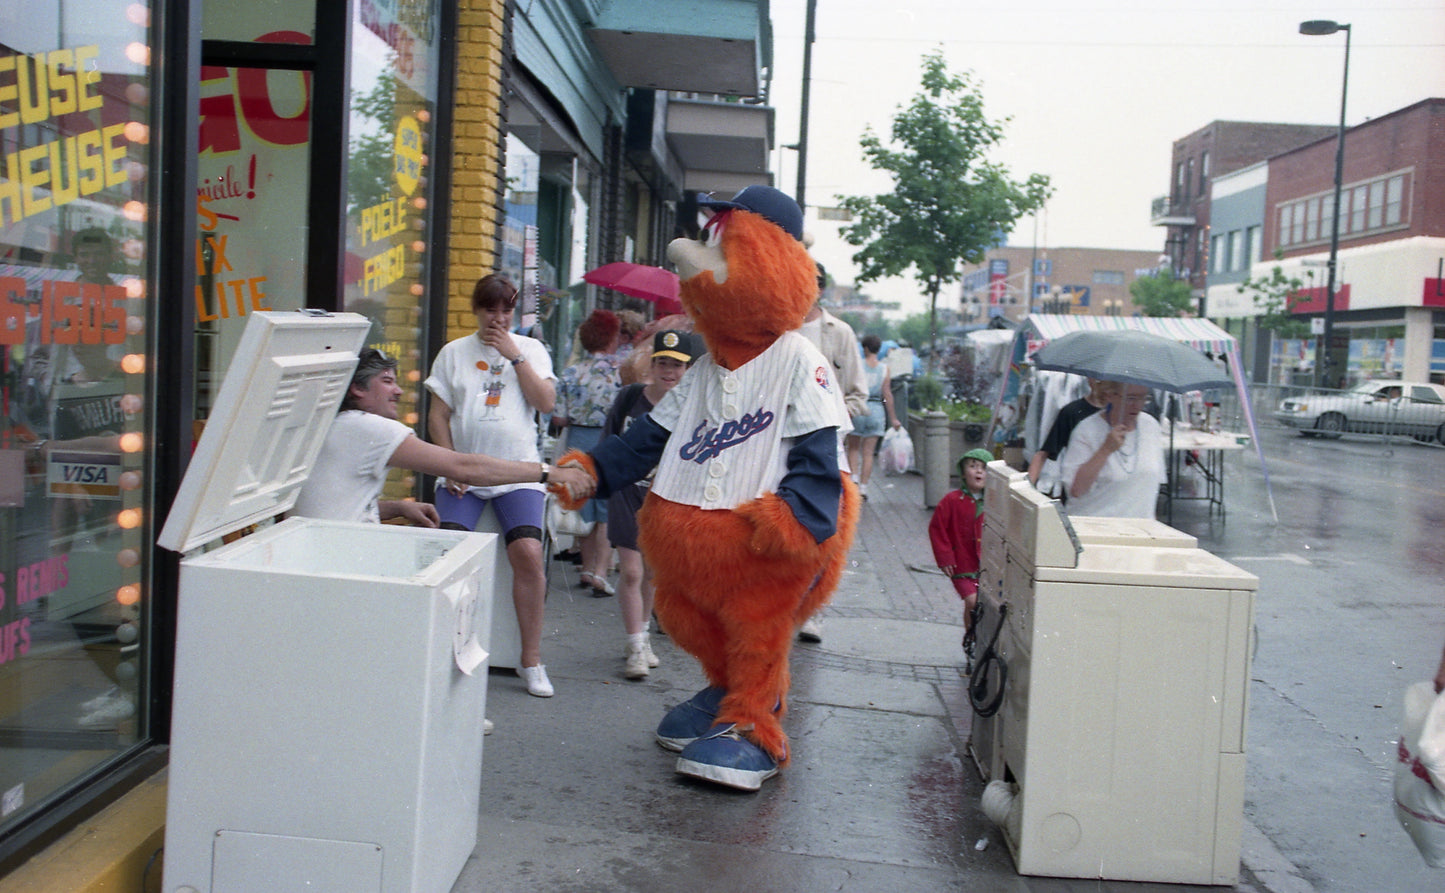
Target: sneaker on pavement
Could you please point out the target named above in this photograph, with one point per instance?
(689, 720)
(652, 660)
(636, 662)
(487, 726)
(811, 630)
(538, 685)
(725, 757)
(108, 714)
(100, 700)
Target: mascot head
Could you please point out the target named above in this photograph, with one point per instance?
(747, 278)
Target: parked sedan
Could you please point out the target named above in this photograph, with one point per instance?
(1381, 406)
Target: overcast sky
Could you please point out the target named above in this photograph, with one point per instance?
(1098, 91)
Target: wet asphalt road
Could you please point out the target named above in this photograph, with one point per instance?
(1350, 611)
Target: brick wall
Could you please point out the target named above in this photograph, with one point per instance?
(1413, 137)
(476, 156)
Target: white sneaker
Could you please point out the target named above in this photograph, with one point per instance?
(652, 660)
(636, 663)
(108, 714)
(487, 726)
(538, 685)
(811, 631)
(100, 700)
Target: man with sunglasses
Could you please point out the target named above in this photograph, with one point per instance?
(366, 441)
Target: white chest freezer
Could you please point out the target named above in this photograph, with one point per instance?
(1094, 531)
(991, 650)
(1123, 720)
(330, 677)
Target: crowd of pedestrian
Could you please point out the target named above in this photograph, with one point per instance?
(489, 391)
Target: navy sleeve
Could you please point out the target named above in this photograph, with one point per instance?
(812, 485)
(626, 458)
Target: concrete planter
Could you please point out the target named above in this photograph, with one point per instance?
(938, 444)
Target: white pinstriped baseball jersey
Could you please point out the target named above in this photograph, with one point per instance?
(731, 430)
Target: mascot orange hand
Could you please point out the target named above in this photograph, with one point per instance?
(576, 459)
(776, 531)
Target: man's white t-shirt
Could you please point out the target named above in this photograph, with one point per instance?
(1128, 484)
(732, 429)
(489, 413)
(351, 468)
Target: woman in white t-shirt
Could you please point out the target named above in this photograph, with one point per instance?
(486, 391)
(1115, 460)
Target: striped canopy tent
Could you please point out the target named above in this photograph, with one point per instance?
(1201, 334)
(1040, 328)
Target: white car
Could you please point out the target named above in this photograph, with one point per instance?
(1380, 406)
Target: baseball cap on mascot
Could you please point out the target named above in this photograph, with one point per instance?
(765, 201)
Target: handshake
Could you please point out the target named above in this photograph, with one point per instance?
(572, 480)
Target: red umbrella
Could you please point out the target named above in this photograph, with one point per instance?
(640, 281)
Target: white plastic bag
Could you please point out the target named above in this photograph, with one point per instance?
(563, 522)
(896, 454)
(1420, 772)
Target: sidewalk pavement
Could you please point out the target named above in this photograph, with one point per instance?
(880, 794)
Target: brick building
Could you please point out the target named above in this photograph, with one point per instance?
(1216, 149)
(1389, 295)
(1015, 281)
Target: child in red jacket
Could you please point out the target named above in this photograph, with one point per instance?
(956, 528)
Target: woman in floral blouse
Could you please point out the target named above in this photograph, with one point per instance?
(585, 392)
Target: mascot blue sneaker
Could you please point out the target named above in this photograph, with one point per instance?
(689, 720)
(723, 756)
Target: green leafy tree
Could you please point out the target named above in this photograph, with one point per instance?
(1276, 295)
(369, 168)
(1162, 295)
(949, 204)
(916, 329)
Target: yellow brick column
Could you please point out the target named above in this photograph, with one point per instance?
(476, 156)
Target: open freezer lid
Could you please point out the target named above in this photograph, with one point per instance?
(281, 391)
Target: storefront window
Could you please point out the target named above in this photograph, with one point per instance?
(75, 325)
(252, 192)
(394, 70)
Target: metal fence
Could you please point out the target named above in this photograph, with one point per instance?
(1404, 413)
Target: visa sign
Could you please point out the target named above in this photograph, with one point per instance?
(83, 475)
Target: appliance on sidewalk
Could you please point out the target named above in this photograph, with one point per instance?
(330, 678)
(1123, 719)
(990, 647)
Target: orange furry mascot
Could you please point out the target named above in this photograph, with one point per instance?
(748, 521)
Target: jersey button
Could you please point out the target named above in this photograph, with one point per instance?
(730, 385)
(713, 492)
(716, 469)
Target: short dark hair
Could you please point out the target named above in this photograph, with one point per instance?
(871, 343)
(494, 291)
(369, 364)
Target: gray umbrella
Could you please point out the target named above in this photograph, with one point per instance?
(1132, 356)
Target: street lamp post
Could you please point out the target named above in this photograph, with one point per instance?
(1316, 28)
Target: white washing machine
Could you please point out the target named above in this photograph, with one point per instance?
(1129, 532)
(330, 678)
(1123, 719)
(983, 745)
